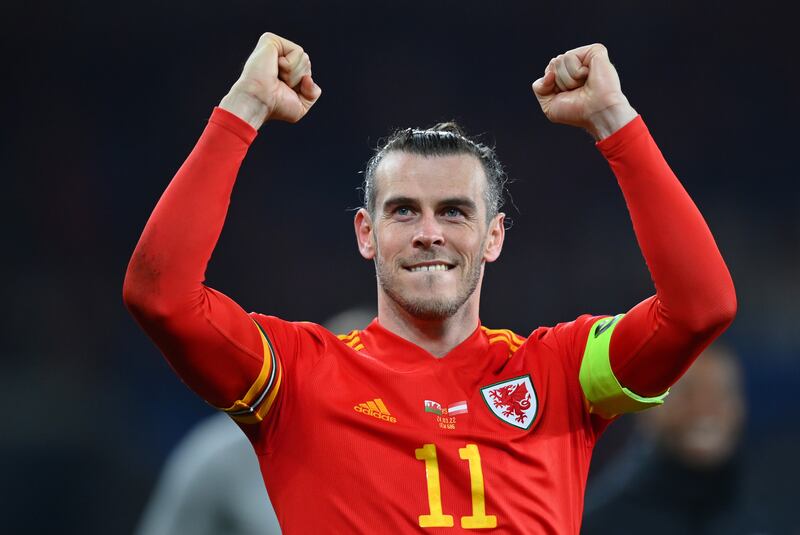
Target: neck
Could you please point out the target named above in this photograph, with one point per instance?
(436, 336)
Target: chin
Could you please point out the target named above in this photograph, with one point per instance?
(432, 314)
(430, 309)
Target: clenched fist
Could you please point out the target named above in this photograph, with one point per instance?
(581, 88)
(275, 83)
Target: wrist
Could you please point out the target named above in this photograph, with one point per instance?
(242, 103)
(605, 122)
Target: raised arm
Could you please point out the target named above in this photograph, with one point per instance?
(208, 339)
(652, 345)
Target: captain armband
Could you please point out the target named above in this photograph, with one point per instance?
(258, 400)
(605, 396)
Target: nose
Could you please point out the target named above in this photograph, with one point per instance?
(428, 232)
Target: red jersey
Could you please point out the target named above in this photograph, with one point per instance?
(372, 432)
(369, 433)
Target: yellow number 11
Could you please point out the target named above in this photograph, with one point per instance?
(436, 519)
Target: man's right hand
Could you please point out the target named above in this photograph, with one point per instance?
(275, 84)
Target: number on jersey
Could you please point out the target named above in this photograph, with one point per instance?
(437, 519)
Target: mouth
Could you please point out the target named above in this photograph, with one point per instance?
(429, 267)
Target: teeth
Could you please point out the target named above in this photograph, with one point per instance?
(436, 267)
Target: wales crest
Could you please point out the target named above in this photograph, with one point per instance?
(513, 401)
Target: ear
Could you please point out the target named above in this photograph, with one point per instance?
(494, 240)
(363, 226)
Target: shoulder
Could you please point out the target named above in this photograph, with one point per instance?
(569, 334)
(351, 339)
(578, 326)
(503, 336)
(279, 331)
(290, 339)
(565, 342)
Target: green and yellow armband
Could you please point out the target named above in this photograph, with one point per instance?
(606, 397)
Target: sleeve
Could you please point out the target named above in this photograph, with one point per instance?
(259, 398)
(215, 347)
(604, 394)
(291, 350)
(583, 346)
(630, 361)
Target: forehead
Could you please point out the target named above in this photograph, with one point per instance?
(429, 178)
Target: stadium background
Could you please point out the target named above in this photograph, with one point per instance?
(104, 100)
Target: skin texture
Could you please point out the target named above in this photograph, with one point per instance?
(581, 88)
(430, 210)
(275, 84)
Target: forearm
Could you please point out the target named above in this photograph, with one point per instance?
(695, 299)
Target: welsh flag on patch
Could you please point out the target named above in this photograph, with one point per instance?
(432, 406)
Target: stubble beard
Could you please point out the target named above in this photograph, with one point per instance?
(432, 307)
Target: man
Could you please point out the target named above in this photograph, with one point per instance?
(426, 421)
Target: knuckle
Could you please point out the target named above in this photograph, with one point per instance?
(268, 40)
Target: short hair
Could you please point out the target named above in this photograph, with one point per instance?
(442, 139)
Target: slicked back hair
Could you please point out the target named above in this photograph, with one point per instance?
(442, 139)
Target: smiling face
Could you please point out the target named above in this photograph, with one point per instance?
(429, 235)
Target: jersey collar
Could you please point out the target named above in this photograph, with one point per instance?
(401, 354)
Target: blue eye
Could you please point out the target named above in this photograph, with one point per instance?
(403, 210)
(453, 212)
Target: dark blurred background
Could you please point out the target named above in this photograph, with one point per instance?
(103, 101)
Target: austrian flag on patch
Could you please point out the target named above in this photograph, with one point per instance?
(459, 407)
(513, 401)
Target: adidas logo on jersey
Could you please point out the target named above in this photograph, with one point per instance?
(376, 409)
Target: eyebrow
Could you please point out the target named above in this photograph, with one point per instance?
(397, 201)
(462, 202)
